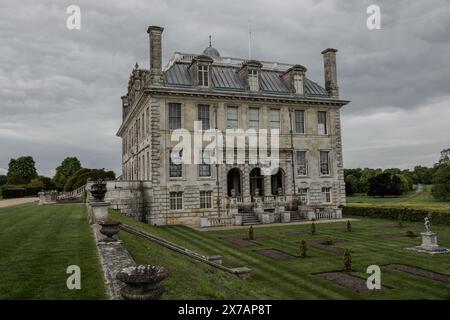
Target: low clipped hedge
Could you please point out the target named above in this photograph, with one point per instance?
(405, 214)
(10, 193)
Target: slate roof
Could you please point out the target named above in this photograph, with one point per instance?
(225, 77)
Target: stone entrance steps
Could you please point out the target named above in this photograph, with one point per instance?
(249, 218)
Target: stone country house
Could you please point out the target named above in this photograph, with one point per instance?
(228, 93)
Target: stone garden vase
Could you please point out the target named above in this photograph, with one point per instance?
(109, 229)
(98, 190)
(142, 282)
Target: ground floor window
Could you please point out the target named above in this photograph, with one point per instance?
(176, 200)
(326, 193)
(303, 192)
(205, 199)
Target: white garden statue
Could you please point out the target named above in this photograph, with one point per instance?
(427, 224)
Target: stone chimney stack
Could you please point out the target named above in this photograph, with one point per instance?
(155, 35)
(329, 63)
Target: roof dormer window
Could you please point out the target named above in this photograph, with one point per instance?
(298, 84)
(203, 76)
(253, 80)
(295, 79)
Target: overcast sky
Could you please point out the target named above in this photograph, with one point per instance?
(60, 89)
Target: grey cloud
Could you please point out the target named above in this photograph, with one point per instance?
(60, 90)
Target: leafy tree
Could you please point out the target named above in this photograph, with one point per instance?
(351, 184)
(445, 157)
(3, 180)
(423, 174)
(36, 183)
(65, 170)
(80, 177)
(385, 184)
(42, 182)
(406, 182)
(21, 170)
(441, 183)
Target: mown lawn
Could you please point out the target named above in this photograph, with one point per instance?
(38, 243)
(294, 278)
(423, 201)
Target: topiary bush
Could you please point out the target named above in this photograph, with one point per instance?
(347, 261)
(313, 229)
(303, 249)
(408, 214)
(250, 233)
(349, 226)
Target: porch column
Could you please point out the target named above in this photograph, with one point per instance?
(267, 185)
(288, 180)
(246, 184)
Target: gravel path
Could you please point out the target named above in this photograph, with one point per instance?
(14, 202)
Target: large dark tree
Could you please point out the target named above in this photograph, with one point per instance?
(3, 179)
(351, 184)
(65, 170)
(441, 183)
(21, 170)
(385, 184)
(80, 177)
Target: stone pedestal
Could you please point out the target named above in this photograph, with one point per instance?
(338, 214)
(238, 220)
(285, 217)
(48, 197)
(204, 222)
(429, 244)
(98, 211)
(429, 241)
(311, 215)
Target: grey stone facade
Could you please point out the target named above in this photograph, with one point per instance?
(277, 91)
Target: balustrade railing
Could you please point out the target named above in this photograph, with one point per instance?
(71, 195)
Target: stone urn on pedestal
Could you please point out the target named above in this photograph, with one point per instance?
(98, 210)
(142, 282)
(109, 229)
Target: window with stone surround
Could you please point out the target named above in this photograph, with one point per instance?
(302, 163)
(324, 163)
(322, 122)
(174, 116)
(304, 198)
(253, 118)
(175, 170)
(253, 80)
(205, 199)
(299, 121)
(203, 115)
(147, 121)
(203, 76)
(204, 169)
(148, 165)
(232, 117)
(176, 200)
(275, 119)
(326, 194)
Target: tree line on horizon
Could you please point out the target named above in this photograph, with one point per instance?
(394, 181)
(69, 175)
